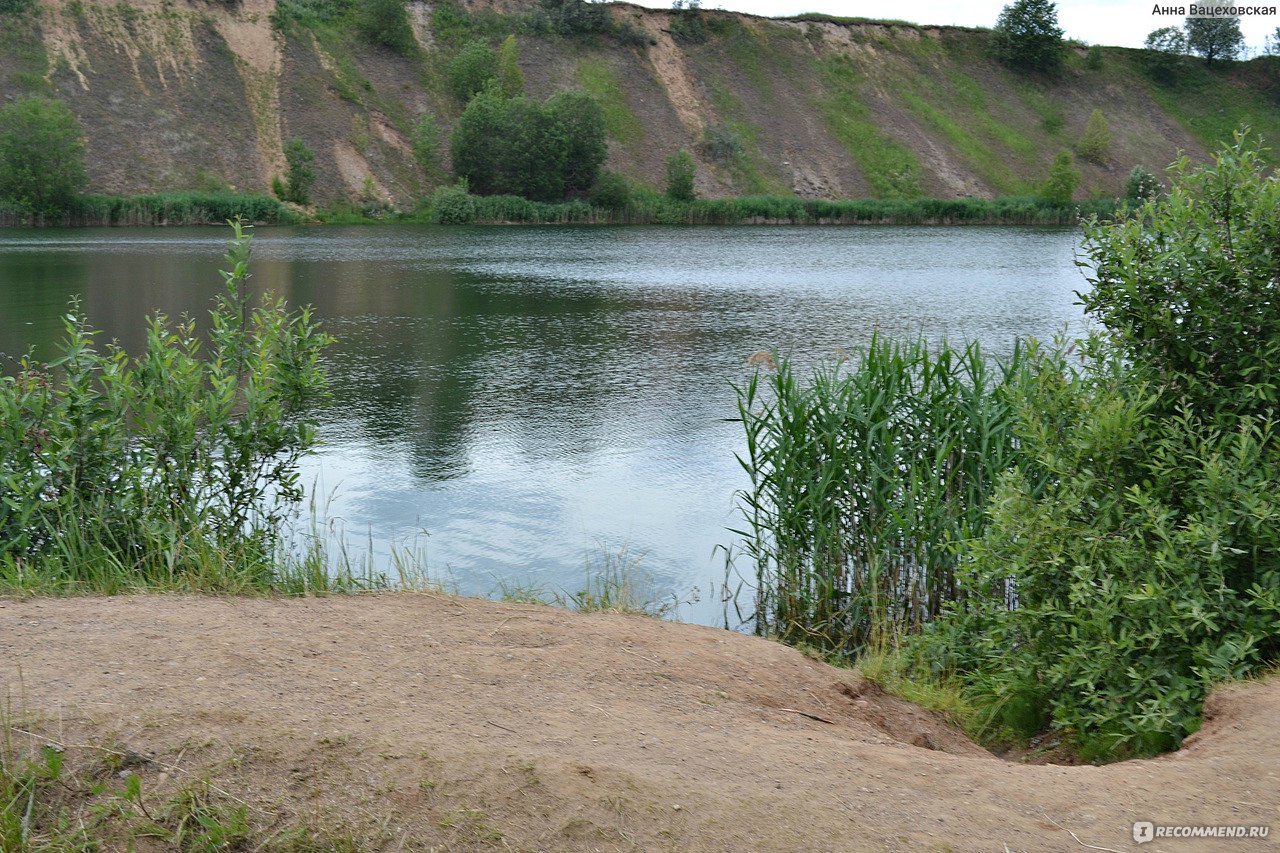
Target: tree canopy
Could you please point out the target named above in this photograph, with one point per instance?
(1027, 35)
(41, 156)
(517, 146)
(1214, 38)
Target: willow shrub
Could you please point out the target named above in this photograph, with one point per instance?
(118, 472)
(861, 481)
(1140, 536)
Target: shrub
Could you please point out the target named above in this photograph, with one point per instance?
(720, 144)
(681, 172)
(16, 7)
(1186, 284)
(1093, 61)
(611, 191)
(572, 17)
(41, 156)
(516, 146)
(1141, 185)
(1062, 182)
(426, 145)
(582, 122)
(1129, 561)
(1165, 49)
(686, 21)
(453, 205)
(1095, 144)
(510, 77)
(471, 70)
(301, 175)
(385, 22)
(121, 472)
(1027, 35)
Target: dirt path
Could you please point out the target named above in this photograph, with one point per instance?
(431, 721)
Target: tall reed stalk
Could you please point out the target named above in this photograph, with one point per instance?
(863, 480)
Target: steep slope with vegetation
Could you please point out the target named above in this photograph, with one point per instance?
(206, 95)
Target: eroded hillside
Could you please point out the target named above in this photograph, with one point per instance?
(201, 94)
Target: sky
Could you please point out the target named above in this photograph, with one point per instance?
(1110, 22)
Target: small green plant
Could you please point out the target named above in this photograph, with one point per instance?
(471, 70)
(687, 24)
(302, 174)
(1141, 185)
(510, 77)
(720, 144)
(681, 172)
(612, 191)
(427, 146)
(1093, 60)
(385, 22)
(1095, 144)
(1063, 179)
(120, 473)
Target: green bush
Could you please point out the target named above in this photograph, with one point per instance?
(1062, 182)
(510, 77)
(1141, 185)
(453, 205)
(681, 172)
(1095, 143)
(1165, 48)
(471, 70)
(385, 22)
(119, 472)
(1131, 559)
(1187, 285)
(302, 177)
(1140, 550)
(687, 24)
(426, 145)
(572, 17)
(517, 146)
(41, 156)
(611, 191)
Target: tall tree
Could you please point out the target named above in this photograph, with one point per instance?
(1027, 35)
(41, 156)
(1214, 38)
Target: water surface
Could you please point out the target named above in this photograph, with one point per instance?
(521, 401)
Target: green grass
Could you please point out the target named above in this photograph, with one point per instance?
(862, 481)
(599, 80)
(890, 168)
(1212, 103)
(169, 208)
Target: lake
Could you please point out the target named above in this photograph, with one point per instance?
(524, 403)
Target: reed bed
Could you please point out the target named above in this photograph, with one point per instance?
(171, 208)
(863, 479)
(654, 209)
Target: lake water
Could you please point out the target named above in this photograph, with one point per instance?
(520, 402)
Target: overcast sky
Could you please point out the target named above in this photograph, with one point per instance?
(1113, 22)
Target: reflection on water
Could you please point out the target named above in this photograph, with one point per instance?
(521, 399)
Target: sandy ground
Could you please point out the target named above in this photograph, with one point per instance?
(420, 721)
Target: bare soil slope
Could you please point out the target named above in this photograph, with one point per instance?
(418, 721)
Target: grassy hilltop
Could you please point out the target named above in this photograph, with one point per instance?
(203, 95)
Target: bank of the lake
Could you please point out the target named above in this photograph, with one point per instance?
(215, 208)
(410, 721)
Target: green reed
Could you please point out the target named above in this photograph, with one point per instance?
(863, 479)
